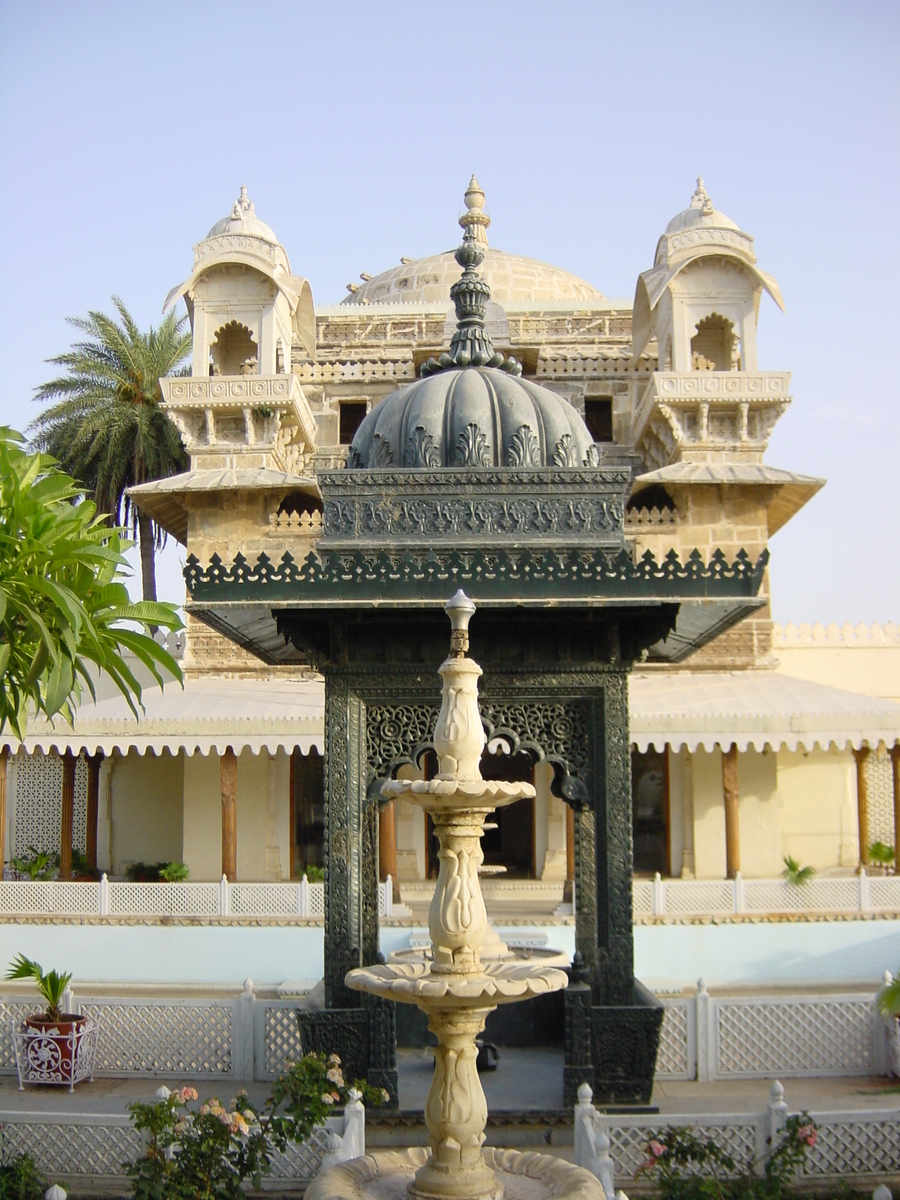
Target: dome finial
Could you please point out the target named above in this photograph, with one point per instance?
(475, 218)
(700, 198)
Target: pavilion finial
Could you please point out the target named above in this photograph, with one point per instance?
(700, 198)
(475, 218)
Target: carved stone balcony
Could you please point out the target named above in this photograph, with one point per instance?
(709, 416)
(241, 421)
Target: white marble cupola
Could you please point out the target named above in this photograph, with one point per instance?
(249, 316)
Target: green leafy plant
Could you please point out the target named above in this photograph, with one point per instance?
(888, 998)
(51, 985)
(20, 1179)
(881, 854)
(207, 1151)
(35, 865)
(63, 604)
(174, 872)
(796, 874)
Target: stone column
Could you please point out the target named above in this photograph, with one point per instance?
(67, 808)
(228, 774)
(93, 808)
(862, 802)
(4, 759)
(387, 846)
(731, 792)
(895, 763)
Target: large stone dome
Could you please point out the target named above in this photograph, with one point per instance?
(473, 417)
(512, 279)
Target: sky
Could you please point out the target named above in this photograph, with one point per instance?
(127, 129)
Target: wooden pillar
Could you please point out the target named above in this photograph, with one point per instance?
(895, 763)
(569, 889)
(65, 820)
(862, 803)
(228, 771)
(4, 759)
(387, 846)
(93, 808)
(731, 791)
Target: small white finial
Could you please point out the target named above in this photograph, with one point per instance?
(55, 1192)
(162, 1093)
(474, 196)
(475, 216)
(248, 985)
(460, 610)
(585, 1095)
(700, 198)
(776, 1092)
(701, 986)
(882, 1192)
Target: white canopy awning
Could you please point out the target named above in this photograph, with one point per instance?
(207, 716)
(753, 708)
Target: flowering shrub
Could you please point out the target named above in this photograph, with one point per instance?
(207, 1151)
(686, 1167)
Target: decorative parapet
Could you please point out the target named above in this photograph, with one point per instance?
(245, 420)
(357, 371)
(847, 636)
(697, 415)
(649, 518)
(305, 524)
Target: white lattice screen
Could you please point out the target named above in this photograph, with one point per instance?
(880, 780)
(38, 804)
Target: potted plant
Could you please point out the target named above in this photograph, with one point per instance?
(58, 1047)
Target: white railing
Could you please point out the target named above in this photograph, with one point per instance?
(120, 898)
(676, 898)
(726, 1037)
(853, 1143)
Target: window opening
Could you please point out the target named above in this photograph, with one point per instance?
(307, 811)
(650, 811)
(599, 419)
(353, 413)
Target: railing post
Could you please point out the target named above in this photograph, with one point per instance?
(243, 1052)
(886, 1034)
(774, 1120)
(224, 897)
(104, 895)
(738, 892)
(303, 897)
(388, 897)
(863, 890)
(704, 1033)
(659, 903)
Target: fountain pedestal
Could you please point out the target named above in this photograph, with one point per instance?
(455, 988)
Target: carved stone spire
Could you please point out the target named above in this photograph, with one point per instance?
(471, 344)
(700, 198)
(475, 218)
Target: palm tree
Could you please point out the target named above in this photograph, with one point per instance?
(106, 427)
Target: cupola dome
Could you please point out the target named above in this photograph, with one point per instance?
(243, 220)
(700, 214)
(471, 408)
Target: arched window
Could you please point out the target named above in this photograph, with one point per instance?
(233, 351)
(714, 344)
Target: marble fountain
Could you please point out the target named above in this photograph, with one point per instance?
(464, 978)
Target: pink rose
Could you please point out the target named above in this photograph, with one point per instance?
(657, 1149)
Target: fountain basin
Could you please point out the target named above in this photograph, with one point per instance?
(498, 982)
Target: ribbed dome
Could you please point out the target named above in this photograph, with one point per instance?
(473, 417)
(243, 219)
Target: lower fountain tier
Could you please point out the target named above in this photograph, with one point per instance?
(498, 982)
(387, 1174)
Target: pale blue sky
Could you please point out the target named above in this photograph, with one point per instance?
(126, 130)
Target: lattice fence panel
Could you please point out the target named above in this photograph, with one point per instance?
(264, 900)
(281, 1034)
(713, 896)
(850, 1146)
(72, 1149)
(628, 1143)
(22, 897)
(163, 899)
(11, 1013)
(642, 898)
(673, 1058)
(300, 1162)
(840, 894)
(884, 891)
(38, 803)
(317, 900)
(815, 1037)
(178, 1038)
(880, 780)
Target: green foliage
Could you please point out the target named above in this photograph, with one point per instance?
(796, 874)
(63, 604)
(35, 865)
(105, 424)
(686, 1167)
(313, 874)
(207, 1152)
(21, 1180)
(51, 985)
(881, 853)
(174, 872)
(888, 999)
